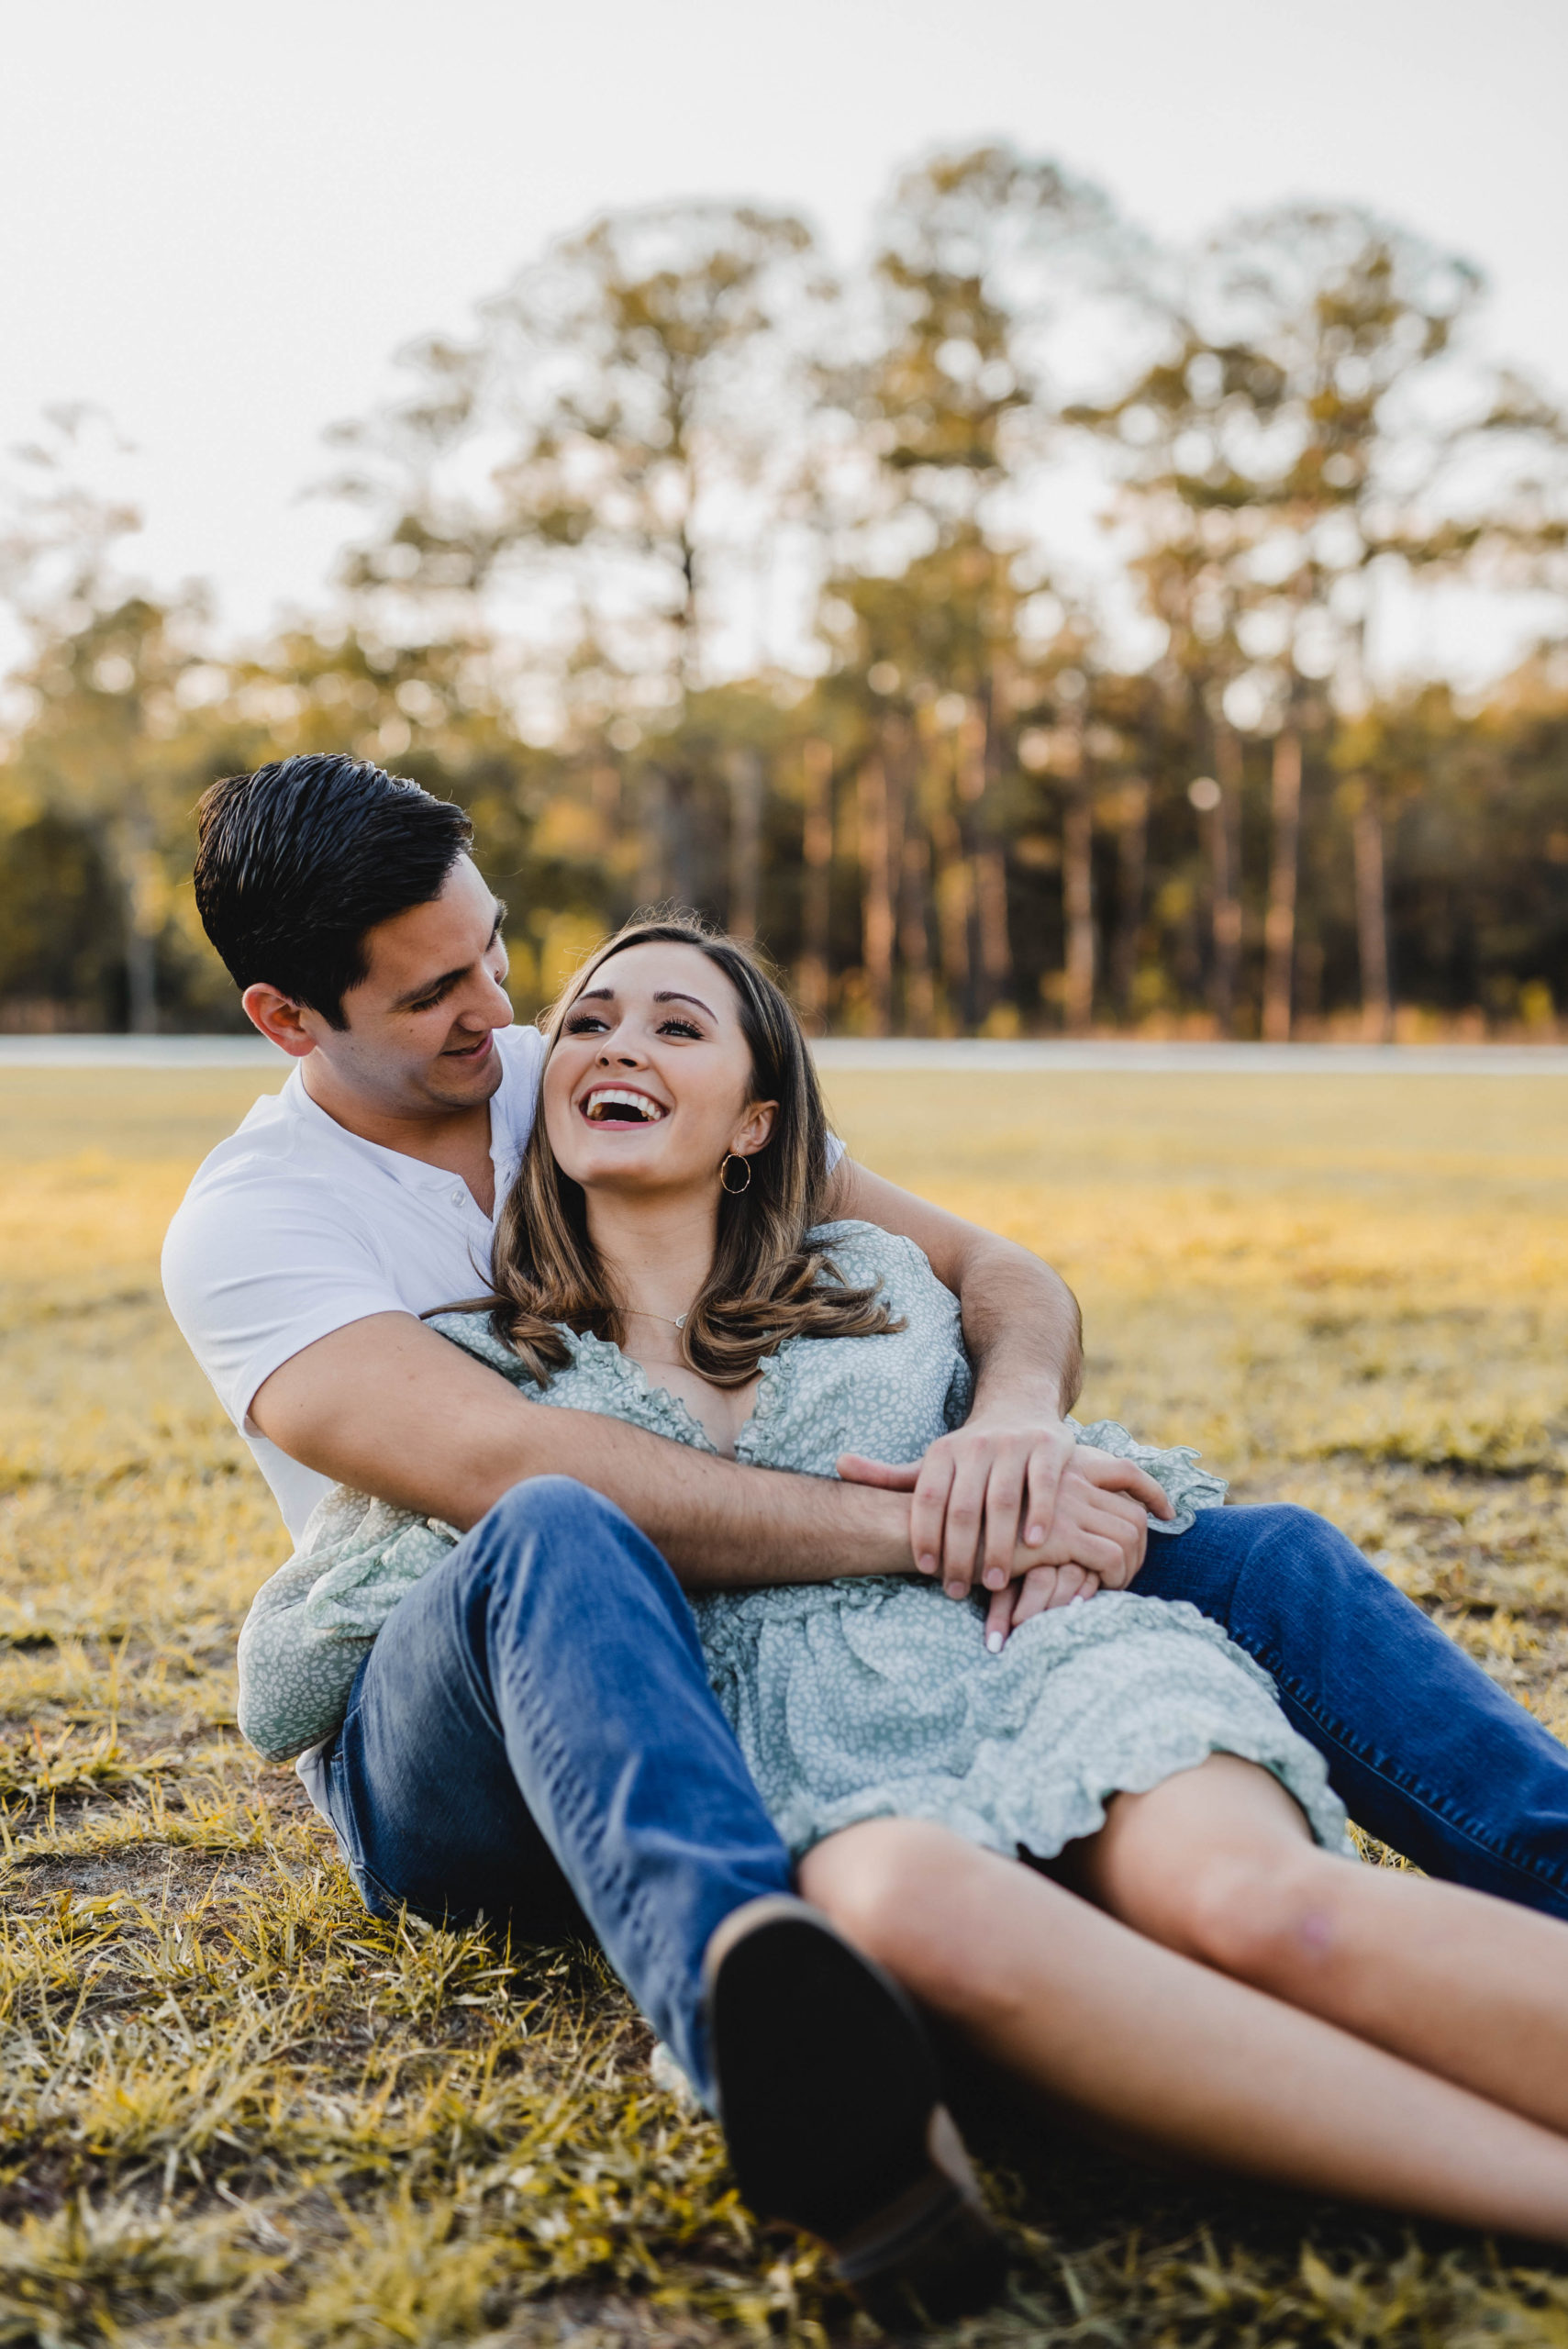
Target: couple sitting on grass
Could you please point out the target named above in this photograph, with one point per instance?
(691, 1552)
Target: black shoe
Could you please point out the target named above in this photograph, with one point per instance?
(828, 2096)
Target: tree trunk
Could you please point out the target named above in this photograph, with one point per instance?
(817, 845)
(680, 842)
(995, 940)
(1224, 865)
(1132, 857)
(134, 856)
(876, 892)
(953, 891)
(969, 754)
(1372, 923)
(141, 977)
(1279, 926)
(745, 841)
(652, 875)
(1078, 909)
(914, 938)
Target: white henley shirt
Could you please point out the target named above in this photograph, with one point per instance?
(294, 1227)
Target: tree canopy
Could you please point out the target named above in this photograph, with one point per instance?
(698, 569)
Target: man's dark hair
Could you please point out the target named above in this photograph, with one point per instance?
(296, 862)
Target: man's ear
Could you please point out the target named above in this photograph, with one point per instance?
(758, 1124)
(279, 1019)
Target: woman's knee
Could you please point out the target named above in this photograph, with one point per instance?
(1216, 1862)
(1257, 1915)
(895, 1887)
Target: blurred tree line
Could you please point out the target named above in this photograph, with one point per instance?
(697, 572)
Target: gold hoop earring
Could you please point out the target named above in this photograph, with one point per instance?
(734, 1190)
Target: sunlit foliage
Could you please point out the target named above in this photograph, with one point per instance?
(702, 569)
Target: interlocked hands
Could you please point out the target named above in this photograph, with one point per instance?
(1041, 1519)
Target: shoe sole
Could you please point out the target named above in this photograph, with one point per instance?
(829, 2095)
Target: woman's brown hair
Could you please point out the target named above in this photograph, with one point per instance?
(766, 1283)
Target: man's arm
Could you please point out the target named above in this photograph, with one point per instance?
(1023, 1331)
(1021, 1323)
(391, 1407)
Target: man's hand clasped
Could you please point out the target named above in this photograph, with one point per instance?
(1039, 1520)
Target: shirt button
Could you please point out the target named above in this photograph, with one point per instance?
(457, 1198)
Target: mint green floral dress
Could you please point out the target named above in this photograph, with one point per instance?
(857, 1699)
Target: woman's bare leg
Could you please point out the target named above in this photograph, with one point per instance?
(1218, 1864)
(1170, 2052)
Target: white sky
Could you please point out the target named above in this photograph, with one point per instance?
(221, 220)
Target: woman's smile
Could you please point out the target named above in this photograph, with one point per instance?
(623, 1107)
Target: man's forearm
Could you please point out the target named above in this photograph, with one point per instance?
(389, 1408)
(1021, 1323)
(1023, 1331)
(720, 1525)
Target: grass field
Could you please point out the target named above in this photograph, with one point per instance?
(236, 2109)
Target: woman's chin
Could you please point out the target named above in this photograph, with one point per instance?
(635, 1175)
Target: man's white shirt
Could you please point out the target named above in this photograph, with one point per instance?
(294, 1227)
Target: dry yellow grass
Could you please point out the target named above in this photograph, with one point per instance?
(236, 2109)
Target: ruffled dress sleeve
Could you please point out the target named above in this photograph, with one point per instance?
(312, 1624)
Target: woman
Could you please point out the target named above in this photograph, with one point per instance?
(1210, 1975)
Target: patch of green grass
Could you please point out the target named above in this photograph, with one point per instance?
(233, 2108)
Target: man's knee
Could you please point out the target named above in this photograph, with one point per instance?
(1266, 1544)
(551, 1507)
(1295, 1528)
(1281, 1527)
(551, 1534)
(550, 1520)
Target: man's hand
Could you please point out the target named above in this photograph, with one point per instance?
(974, 1482)
(976, 1492)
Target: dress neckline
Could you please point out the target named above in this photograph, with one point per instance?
(664, 1400)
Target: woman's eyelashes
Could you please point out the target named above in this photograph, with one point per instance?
(592, 1023)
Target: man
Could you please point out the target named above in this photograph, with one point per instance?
(532, 1733)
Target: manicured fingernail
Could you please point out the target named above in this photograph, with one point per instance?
(995, 1578)
(1033, 1536)
(994, 1642)
(958, 1590)
(928, 1565)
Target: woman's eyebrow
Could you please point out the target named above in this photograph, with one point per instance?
(673, 994)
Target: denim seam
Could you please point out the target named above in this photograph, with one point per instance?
(1529, 1868)
(631, 1899)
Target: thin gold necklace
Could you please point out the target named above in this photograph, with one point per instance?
(640, 1312)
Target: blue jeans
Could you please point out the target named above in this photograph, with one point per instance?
(1424, 1750)
(532, 1737)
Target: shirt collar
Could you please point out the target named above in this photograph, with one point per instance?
(413, 1174)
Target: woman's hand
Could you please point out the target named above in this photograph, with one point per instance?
(1035, 1593)
(1094, 1517)
(1009, 1498)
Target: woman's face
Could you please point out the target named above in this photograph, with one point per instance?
(650, 1082)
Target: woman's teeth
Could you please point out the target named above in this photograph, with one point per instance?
(611, 1102)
